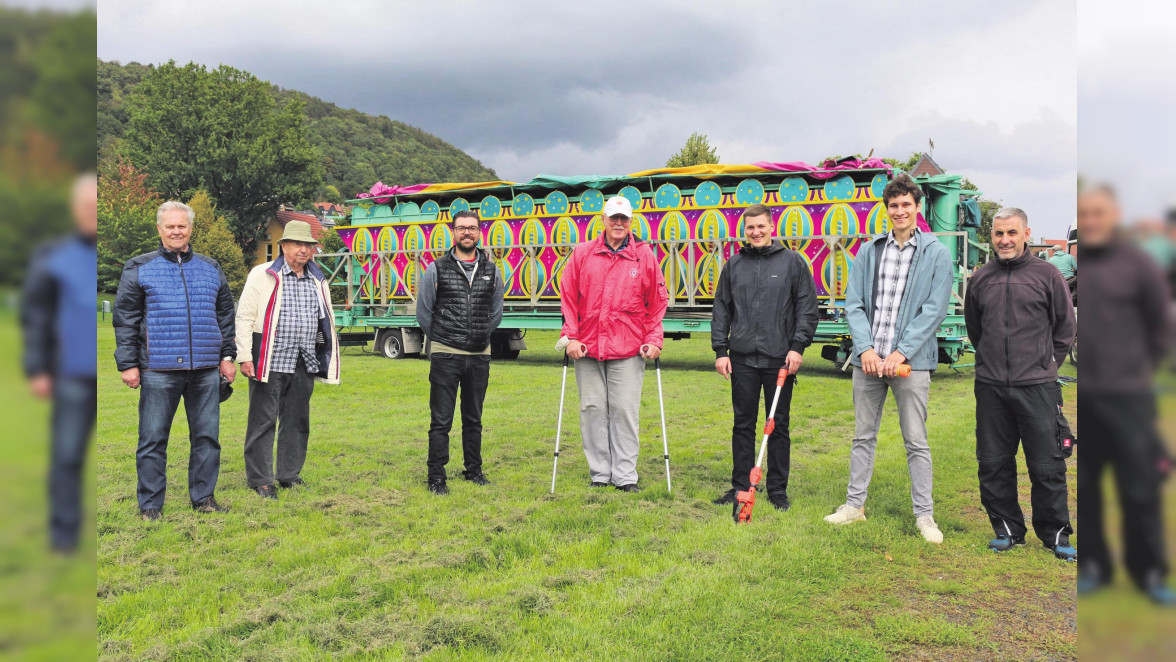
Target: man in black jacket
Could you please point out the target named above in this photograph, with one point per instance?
(764, 316)
(1021, 323)
(1126, 332)
(459, 304)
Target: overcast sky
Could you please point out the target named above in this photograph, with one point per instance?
(1128, 133)
(613, 87)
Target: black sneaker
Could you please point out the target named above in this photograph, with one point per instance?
(287, 484)
(632, 487)
(477, 479)
(779, 502)
(210, 505)
(267, 491)
(726, 499)
(150, 515)
(438, 487)
(597, 483)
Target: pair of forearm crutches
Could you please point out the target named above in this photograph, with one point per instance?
(559, 421)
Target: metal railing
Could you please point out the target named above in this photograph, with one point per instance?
(687, 251)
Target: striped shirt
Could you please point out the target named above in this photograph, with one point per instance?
(298, 322)
(892, 278)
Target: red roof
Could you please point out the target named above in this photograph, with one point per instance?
(926, 166)
(316, 228)
(331, 208)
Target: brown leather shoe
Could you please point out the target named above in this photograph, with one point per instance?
(209, 505)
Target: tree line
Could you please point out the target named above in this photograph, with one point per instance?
(239, 147)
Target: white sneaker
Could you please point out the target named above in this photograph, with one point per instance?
(931, 533)
(846, 514)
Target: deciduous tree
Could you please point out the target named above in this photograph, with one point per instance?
(221, 131)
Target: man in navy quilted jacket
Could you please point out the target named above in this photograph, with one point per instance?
(173, 325)
(61, 355)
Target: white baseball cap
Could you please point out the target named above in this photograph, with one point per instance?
(618, 204)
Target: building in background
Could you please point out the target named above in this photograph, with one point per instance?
(926, 167)
(267, 243)
(330, 214)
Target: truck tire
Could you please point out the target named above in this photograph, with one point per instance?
(500, 347)
(390, 343)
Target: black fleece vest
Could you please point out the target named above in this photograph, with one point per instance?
(461, 310)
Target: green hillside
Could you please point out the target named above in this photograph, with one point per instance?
(357, 149)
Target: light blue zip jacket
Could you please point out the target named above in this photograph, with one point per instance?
(924, 301)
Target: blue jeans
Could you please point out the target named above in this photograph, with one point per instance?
(159, 396)
(74, 405)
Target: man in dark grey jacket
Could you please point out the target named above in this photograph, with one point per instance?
(764, 316)
(1126, 333)
(1021, 323)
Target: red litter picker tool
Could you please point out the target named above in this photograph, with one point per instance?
(745, 501)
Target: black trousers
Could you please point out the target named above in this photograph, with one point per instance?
(283, 402)
(1120, 431)
(1006, 415)
(747, 384)
(448, 372)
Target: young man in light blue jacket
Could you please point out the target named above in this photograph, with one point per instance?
(898, 296)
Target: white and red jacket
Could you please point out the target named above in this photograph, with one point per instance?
(613, 302)
(257, 321)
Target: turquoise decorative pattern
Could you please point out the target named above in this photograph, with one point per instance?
(667, 197)
(749, 192)
(523, 205)
(707, 194)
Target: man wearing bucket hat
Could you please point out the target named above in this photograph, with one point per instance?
(613, 297)
(285, 342)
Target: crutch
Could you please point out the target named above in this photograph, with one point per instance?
(661, 402)
(559, 424)
(745, 501)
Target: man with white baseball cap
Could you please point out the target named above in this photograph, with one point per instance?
(613, 298)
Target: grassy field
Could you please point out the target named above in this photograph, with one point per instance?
(364, 563)
(46, 602)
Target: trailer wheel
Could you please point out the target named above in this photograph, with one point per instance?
(500, 347)
(391, 344)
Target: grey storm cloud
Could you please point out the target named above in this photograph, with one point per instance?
(606, 87)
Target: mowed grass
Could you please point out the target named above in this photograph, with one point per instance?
(46, 600)
(364, 563)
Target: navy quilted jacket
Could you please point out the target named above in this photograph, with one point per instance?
(173, 311)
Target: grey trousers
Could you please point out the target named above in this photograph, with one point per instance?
(284, 399)
(910, 394)
(610, 404)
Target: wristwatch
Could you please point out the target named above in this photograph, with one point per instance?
(227, 358)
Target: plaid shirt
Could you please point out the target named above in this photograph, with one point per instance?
(298, 321)
(892, 278)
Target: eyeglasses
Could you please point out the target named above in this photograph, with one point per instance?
(467, 230)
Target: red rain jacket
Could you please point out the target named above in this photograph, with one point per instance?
(613, 302)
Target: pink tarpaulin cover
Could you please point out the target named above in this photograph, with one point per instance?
(828, 168)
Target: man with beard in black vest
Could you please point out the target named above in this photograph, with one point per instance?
(459, 304)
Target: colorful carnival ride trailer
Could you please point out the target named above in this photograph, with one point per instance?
(692, 217)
